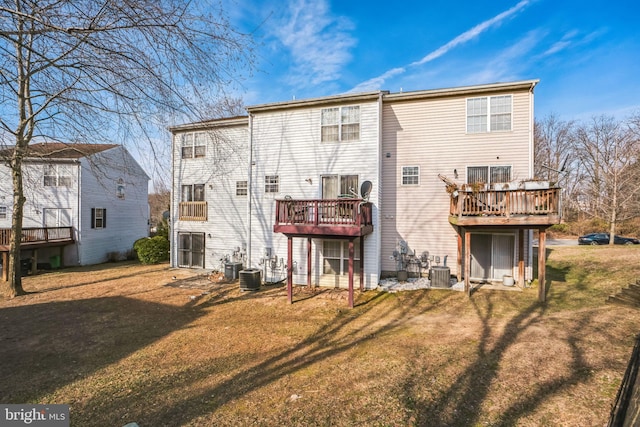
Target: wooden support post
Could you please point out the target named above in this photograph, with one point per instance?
(521, 257)
(459, 262)
(5, 266)
(542, 240)
(290, 269)
(467, 262)
(351, 251)
(309, 261)
(362, 264)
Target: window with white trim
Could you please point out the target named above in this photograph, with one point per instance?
(271, 184)
(98, 218)
(488, 174)
(193, 193)
(3, 212)
(489, 114)
(194, 145)
(340, 124)
(410, 175)
(335, 254)
(241, 188)
(57, 176)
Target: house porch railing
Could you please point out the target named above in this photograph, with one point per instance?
(192, 211)
(38, 235)
(324, 212)
(505, 203)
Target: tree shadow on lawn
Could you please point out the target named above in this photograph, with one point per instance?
(46, 346)
(335, 336)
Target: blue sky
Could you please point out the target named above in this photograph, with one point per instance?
(585, 53)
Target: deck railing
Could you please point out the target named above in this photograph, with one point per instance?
(506, 203)
(329, 212)
(38, 235)
(192, 211)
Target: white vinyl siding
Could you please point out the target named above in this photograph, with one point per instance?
(430, 133)
(489, 114)
(221, 173)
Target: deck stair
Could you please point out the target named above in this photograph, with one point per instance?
(629, 296)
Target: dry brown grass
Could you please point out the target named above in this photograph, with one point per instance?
(124, 342)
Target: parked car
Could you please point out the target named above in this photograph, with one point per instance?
(603, 239)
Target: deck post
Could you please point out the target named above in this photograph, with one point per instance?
(362, 264)
(521, 257)
(351, 251)
(290, 269)
(467, 262)
(459, 261)
(309, 261)
(542, 238)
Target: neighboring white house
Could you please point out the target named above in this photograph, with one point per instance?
(289, 192)
(98, 191)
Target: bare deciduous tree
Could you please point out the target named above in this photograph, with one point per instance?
(608, 151)
(105, 70)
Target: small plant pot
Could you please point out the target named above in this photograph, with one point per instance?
(508, 280)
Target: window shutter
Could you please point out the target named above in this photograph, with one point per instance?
(93, 217)
(104, 218)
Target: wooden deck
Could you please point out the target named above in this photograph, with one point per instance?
(518, 207)
(324, 218)
(38, 237)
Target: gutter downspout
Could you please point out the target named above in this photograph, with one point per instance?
(78, 236)
(172, 247)
(249, 190)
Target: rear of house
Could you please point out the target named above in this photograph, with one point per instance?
(85, 203)
(353, 187)
(471, 135)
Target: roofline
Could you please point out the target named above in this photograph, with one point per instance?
(325, 100)
(462, 90)
(207, 124)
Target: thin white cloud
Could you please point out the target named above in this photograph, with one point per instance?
(319, 42)
(473, 33)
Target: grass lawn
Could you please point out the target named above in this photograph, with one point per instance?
(165, 347)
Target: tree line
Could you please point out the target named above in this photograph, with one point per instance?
(597, 164)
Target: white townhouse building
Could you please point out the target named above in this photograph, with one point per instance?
(85, 203)
(350, 188)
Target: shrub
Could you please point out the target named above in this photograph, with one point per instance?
(152, 250)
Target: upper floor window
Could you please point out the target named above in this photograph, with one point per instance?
(340, 124)
(3, 212)
(241, 188)
(488, 174)
(193, 193)
(410, 175)
(57, 176)
(120, 188)
(489, 114)
(98, 218)
(194, 144)
(271, 184)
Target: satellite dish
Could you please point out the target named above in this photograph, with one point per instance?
(365, 189)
